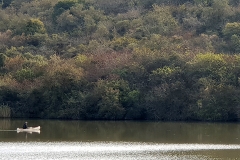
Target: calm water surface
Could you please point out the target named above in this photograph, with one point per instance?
(100, 140)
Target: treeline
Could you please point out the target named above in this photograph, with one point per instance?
(117, 60)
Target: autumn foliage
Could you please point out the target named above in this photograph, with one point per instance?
(120, 60)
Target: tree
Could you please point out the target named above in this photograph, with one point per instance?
(6, 3)
(205, 3)
(34, 26)
(66, 21)
(2, 60)
(60, 7)
(160, 21)
(234, 2)
(214, 16)
(231, 29)
(209, 65)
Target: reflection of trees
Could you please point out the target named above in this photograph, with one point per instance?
(126, 131)
(142, 131)
(5, 124)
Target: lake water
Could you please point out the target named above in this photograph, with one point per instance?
(120, 140)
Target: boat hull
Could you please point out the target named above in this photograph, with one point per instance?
(29, 129)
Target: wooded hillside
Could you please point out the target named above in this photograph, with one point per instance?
(120, 59)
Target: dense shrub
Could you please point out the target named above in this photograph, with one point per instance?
(118, 60)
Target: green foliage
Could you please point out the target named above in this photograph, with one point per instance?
(132, 97)
(37, 39)
(66, 21)
(24, 74)
(89, 24)
(112, 93)
(101, 32)
(132, 73)
(160, 21)
(62, 6)
(74, 106)
(215, 17)
(204, 2)
(167, 101)
(110, 108)
(2, 59)
(234, 2)
(235, 41)
(216, 105)
(6, 3)
(13, 51)
(210, 65)
(112, 7)
(157, 42)
(122, 27)
(231, 29)
(122, 42)
(116, 60)
(164, 72)
(34, 26)
(116, 100)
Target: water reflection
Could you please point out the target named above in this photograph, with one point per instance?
(119, 140)
(30, 132)
(5, 123)
(141, 132)
(158, 132)
(114, 150)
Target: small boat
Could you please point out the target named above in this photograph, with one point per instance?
(29, 129)
(36, 131)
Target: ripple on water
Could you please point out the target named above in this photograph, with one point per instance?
(106, 150)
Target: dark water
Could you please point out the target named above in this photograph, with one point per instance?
(119, 140)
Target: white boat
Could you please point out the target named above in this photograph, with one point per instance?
(29, 129)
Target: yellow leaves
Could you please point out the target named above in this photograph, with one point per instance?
(144, 54)
(83, 60)
(142, 51)
(231, 29)
(237, 57)
(165, 71)
(217, 67)
(209, 59)
(122, 42)
(34, 26)
(13, 51)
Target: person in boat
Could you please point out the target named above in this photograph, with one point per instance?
(25, 125)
